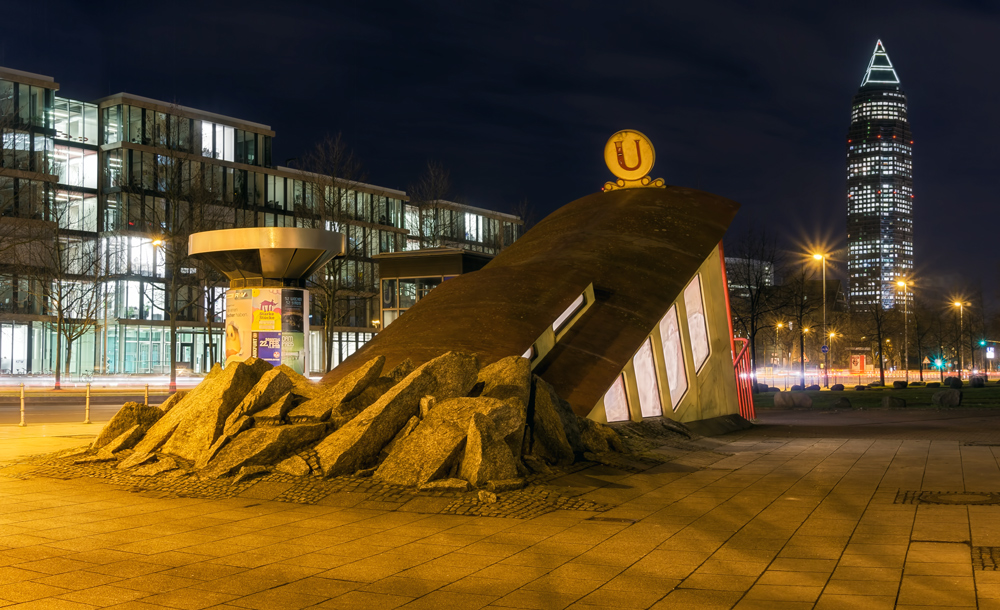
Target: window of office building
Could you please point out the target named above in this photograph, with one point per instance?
(75, 166)
(76, 211)
(76, 121)
(218, 141)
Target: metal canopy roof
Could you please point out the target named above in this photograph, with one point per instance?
(267, 253)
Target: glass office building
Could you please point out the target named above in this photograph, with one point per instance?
(108, 181)
(879, 188)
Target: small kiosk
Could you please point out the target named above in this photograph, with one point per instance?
(267, 304)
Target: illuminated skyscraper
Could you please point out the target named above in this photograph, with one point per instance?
(879, 188)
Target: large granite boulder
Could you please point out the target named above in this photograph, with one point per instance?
(193, 425)
(272, 385)
(346, 411)
(508, 379)
(275, 414)
(792, 400)
(263, 446)
(432, 449)
(893, 402)
(358, 443)
(401, 370)
(125, 440)
(547, 423)
(319, 408)
(455, 373)
(301, 385)
(487, 456)
(131, 415)
(172, 400)
(947, 398)
(598, 438)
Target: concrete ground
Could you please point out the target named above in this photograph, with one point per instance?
(874, 509)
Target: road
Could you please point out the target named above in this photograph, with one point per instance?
(67, 408)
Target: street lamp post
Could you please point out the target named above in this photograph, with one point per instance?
(802, 356)
(830, 349)
(826, 356)
(906, 317)
(961, 333)
(777, 347)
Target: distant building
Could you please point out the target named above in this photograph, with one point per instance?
(745, 273)
(879, 188)
(449, 224)
(110, 176)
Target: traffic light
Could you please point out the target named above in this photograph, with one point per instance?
(938, 363)
(982, 342)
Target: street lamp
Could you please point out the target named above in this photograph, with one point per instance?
(830, 349)
(777, 327)
(961, 314)
(906, 317)
(826, 352)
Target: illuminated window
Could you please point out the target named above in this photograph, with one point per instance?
(697, 325)
(616, 401)
(568, 313)
(673, 356)
(645, 378)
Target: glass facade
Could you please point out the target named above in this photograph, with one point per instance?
(400, 294)
(121, 175)
(879, 188)
(455, 225)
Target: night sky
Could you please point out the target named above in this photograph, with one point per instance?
(517, 99)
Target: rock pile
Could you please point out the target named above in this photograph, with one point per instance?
(445, 424)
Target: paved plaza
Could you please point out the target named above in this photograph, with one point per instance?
(874, 509)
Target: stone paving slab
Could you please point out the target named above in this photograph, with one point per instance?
(802, 511)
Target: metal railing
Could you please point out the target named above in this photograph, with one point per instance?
(744, 378)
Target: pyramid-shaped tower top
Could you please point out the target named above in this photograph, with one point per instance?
(880, 74)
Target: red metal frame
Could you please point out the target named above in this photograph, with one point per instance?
(741, 360)
(744, 379)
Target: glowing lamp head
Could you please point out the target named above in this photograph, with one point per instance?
(157, 243)
(818, 257)
(901, 284)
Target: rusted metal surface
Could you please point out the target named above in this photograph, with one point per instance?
(639, 247)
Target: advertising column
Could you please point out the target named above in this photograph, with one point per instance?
(267, 323)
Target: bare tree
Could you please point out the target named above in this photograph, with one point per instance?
(427, 194)
(753, 298)
(880, 324)
(922, 324)
(799, 303)
(172, 197)
(346, 284)
(526, 212)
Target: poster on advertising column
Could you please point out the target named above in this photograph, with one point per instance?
(267, 346)
(238, 325)
(294, 316)
(267, 309)
(267, 323)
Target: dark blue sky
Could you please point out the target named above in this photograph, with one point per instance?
(517, 98)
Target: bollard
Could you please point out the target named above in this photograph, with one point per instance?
(145, 400)
(86, 413)
(22, 406)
